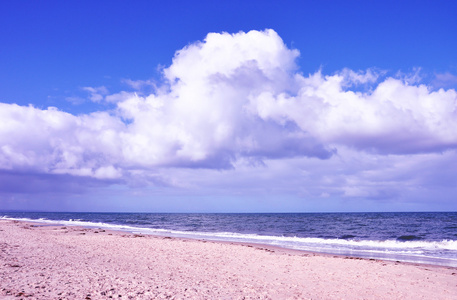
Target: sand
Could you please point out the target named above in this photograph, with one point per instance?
(57, 262)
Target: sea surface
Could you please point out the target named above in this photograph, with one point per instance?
(429, 238)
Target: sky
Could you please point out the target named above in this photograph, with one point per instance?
(228, 106)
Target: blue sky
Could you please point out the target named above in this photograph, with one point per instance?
(228, 105)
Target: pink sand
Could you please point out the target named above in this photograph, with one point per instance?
(56, 262)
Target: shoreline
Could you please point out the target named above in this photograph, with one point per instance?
(133, 230)
(260, 246)
(74, 262)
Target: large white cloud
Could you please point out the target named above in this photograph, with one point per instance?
(52, 141)
(236, 98)
(393, 118)
(202, 117)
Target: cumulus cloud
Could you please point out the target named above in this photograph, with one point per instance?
(52, 141)
(228, 99)
(394, 118)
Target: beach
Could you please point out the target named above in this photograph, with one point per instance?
(42, 261)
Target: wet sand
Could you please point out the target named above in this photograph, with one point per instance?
(58, 262)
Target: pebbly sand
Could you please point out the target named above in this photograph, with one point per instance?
(57, 262)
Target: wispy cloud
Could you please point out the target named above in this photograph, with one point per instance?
(140, 84)
(445, 80)
(96, 93)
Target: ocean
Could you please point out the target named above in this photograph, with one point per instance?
(425, 237)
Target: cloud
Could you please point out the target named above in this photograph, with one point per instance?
(352, 78)
(201, 117)
(140, 84)
(96, 93)
(445, 80)
(394, 118)
(55, 142)
(411, 78)
(239, 102)
(75, 100)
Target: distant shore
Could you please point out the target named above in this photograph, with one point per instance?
(65, 262)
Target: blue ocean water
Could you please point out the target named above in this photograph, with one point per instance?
(414, 237)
